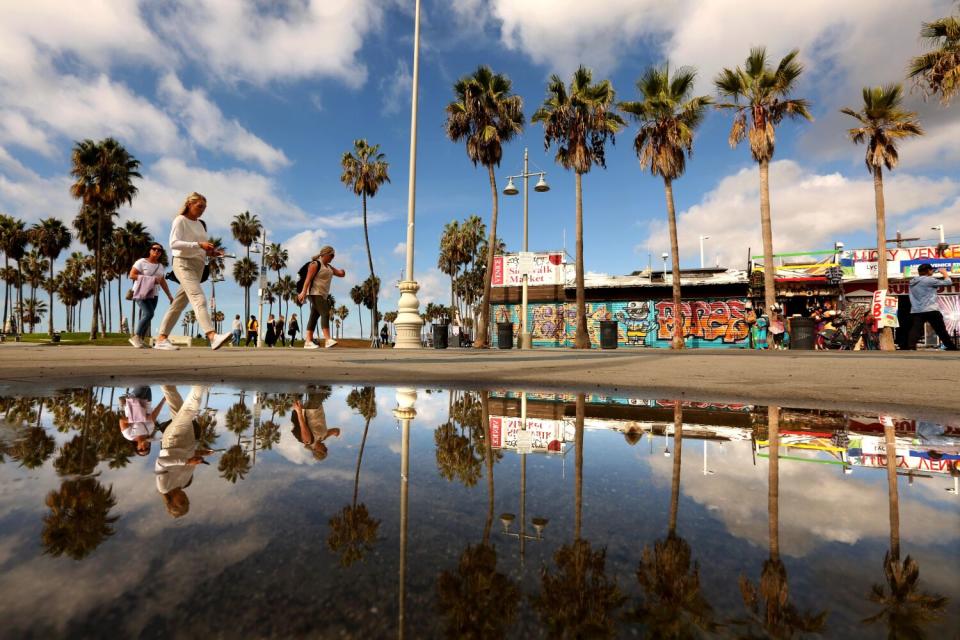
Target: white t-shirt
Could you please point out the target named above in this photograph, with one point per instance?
(237, 325)
(185, 238)
(139, 423)
(147, 268)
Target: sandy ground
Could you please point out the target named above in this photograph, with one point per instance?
(921, 384)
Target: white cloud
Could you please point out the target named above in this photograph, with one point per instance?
(400, 249)
(808, 210)
(29, 196)
(395, 89)
(350, 220)
(434, 287)
(207, 126)
(303, 246)
(261, 43)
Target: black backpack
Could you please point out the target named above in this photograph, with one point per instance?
(302, 275)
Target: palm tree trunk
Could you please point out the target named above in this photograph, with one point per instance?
(582, 339)
(488, 459)
(19, 296)
(356, 477)
(96, 286)
(890, 437)
(773, 481)
(482, 340)
(50, 307)
(120, 301)
(6, 290)
(578, 472)
(373, 279)
(675, 483)
(886, 333)
(677, 342)
(766, 229)
(360, 320)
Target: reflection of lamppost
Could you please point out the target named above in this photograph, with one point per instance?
(705, 470)
(184, 325)
(405, 412)
(526, 338)
(409, 322)
(260, 246)
(666, 443)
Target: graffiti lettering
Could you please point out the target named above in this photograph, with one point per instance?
(721, 320)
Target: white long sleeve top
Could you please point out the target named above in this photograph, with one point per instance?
(185, 238)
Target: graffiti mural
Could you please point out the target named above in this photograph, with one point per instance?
(709, 320)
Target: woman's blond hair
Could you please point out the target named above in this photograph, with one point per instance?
(324, 250)
(193, 197)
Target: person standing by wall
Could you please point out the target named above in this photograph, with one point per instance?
(924, 307)
(147, 275)
(189, 245)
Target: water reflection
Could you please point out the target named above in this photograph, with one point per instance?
(638, 542)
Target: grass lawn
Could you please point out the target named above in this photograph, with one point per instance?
(120, 339)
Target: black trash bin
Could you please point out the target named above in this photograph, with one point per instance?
(439, 336)
(505, 335)
(608, 334)
(802, 332)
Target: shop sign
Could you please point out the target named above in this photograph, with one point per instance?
(541, 269)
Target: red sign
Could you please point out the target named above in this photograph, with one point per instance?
(495, 432)
(497, 278)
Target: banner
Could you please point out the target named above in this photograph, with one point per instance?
(541, 268)
(884, 309)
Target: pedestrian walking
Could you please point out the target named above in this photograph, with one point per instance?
(148, 276)
(279, 328)
(270, 338)
(924, 307)
(316, 276)
(294, 328)
(385, 335)
(189, 245)
(253, 331)
(237, 330)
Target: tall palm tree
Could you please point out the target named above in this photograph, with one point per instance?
(246, 228)
(7, 226)
(452, 255)
(13, 241)
(50, 236)
(132, 241)
(342, 312)
(287, 291)
(103, 181)
(276, 258)
(938, 71)
(364, 172)
(217, 266)
(882, 123)
(485, 115)
(579, 121)
(246, 272)
(668, 115)
(358, 296)
(34, 265)
(761, 94)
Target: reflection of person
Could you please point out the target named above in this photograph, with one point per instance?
(147, 273)
(310, 425)
(316, 288)
(139, 421)
(179, 454)
(189, 245)
(924, 307)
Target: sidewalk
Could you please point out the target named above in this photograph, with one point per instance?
(916, 384)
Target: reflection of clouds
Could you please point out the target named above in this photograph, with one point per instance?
(817, 503)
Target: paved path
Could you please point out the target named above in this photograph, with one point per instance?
(921, 383)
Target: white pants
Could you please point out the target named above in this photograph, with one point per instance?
(188, 271)
(179, 433)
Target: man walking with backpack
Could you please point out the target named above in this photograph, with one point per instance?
(314, 285)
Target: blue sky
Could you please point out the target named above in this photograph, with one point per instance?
(253, 104)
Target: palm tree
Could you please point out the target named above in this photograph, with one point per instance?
(190, 317)
(579, 121)
(245, 272)
(762, 94)
(217, 266)
(33, 268)
(103, 173)
(905, 609)
(668, 115)
(132, 240)
(234, 464)
(342, 312)
(79, 518)
(485, 115)
(364, 172)
(13, 241)
(357, 294)
(246, 228)
(882, 123)
(50, 236)
(453, 255)
(276, 258)
(938, 71)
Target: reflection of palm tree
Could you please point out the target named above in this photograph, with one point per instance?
(353, 531)
(578, 600)
(239, 418)
(32, 447)
(267, 434)
(234, 464)
(79, 518)
(779, 617)
(904, 608)
(674, 606)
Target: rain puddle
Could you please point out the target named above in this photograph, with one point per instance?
(176, 511)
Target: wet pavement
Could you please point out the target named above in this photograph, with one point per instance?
(341, 511)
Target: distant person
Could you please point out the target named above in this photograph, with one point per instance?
(139, 421)
(924, 307)
(279, 329)
(270, 338)
(237, 330)
(147, 275)
(189, 245)
(179, 454)
(310, 425)
(316, 288)
(253, 331)
(385, 335)
(294, 328)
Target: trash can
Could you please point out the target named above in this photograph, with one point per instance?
(439, 336)
(802, 331)
(608, 334)
(55, 338)
(505, 335)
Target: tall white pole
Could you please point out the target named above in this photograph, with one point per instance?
(409, 322)
(405, 412)
(526, 338)
(261, 285)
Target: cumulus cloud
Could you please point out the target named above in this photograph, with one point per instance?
(208, 127)
(303, 246)
(349, 220)
(809, 210)
(395, 89)
(29, 196)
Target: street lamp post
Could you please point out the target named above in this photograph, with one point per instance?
(262, 282)
(408, 321)
(526, 338)
(702, 238)
(664, 256)
(405, 412)
(939, 228)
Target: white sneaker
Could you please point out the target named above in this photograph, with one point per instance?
(219, 340)
(330, 343)
(136, 342)
(310, 344)
(165, 345)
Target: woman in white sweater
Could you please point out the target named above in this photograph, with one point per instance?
(190, 246)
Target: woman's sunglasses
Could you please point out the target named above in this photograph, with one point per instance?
(156, 248)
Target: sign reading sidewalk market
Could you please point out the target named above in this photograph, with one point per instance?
(541, 268)
(884, 309)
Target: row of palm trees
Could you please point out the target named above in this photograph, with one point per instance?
(580, 118)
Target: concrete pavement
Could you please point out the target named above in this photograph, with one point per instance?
(920, 384)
